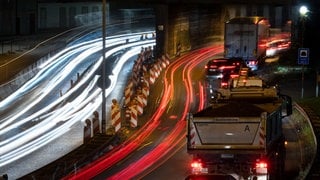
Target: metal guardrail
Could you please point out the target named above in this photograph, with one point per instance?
(304, 128)
(314, 122)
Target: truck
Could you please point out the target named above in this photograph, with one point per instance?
(240, 133)
(247, 38)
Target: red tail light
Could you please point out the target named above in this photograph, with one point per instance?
(196, 164)
(224, 84)
(234, 75)
(253, 62)
(261, 167)
(197, 167)
(261, 164)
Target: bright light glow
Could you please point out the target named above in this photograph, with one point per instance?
(196, 164)
(303, 10)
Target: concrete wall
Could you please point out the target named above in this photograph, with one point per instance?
(17, 18)
(66, 15)
(188, 27)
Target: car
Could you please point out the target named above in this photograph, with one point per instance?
(218, 68)
(213, 68)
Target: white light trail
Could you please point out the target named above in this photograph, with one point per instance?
(77, 110)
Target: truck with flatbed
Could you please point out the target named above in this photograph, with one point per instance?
(240, 133)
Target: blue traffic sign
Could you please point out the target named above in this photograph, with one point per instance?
(303, 56)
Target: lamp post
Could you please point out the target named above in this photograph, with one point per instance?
(303, 10)
(103, 106)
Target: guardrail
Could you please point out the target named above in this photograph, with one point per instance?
(308, 141)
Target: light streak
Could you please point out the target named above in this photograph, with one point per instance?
(69, 113)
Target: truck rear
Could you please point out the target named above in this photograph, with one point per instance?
(246, 38)
(240, 134)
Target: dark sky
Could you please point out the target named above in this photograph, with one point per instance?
(312, 22)
(312, 30)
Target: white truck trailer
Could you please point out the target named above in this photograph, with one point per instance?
(240, 134)
(247, 38)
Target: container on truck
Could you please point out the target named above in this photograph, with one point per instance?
(247, 38)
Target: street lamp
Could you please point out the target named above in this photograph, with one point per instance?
(303, 10)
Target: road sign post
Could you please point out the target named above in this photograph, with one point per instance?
(303, 56)
(303, 59)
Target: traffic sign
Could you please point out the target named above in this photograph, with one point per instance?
(303, 56)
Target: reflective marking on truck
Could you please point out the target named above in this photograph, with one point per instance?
(262, 136)
(226, 119)
(231, 133)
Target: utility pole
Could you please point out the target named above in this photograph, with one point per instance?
(103, 106)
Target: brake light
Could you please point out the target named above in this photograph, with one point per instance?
(261, 165)
(234, 75)
(224, 84)
(196, 164)
(197, 167)
(227, 67)
(252, 62)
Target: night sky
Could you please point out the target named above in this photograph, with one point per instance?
(312, 31)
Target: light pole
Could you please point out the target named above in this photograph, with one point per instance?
(103, 106)
(303, 10)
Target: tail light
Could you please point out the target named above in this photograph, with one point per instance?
(234, 75)
(197, 167)
(196, 164)
(252, 62)
(224, 84)
(261, 167)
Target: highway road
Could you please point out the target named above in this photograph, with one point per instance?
(163, 130)
(160, 148)
(162, 155)
(298, 156)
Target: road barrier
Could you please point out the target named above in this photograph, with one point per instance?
(115, 115)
